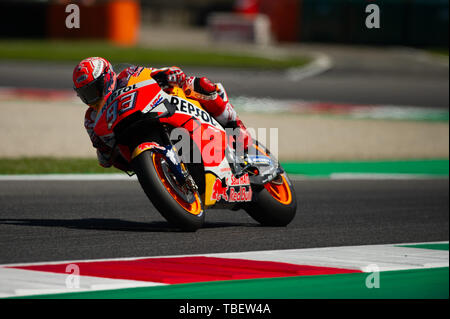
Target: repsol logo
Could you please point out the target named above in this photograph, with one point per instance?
(129, 88)
(118, 92)
(189, 108)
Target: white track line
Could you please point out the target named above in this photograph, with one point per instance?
(124, 177)
(320, 64)
(67, 177)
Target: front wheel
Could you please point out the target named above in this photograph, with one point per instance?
(275, 204)
(180, 208)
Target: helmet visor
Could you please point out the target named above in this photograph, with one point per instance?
(91, 92)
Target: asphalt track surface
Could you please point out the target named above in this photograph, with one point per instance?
(73, 220)
(399, 82)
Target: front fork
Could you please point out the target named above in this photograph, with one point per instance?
(175, 163)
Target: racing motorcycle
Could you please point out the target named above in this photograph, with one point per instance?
(149, 125)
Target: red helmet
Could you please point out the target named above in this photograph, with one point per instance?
(93, 79)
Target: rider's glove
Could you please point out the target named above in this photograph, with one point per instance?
(104, 159)
(175, 76)
(113, 157)
(169, 77)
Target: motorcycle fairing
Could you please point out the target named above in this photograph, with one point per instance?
(144, 95)
(124, 102)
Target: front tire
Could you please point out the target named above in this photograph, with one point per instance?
(275, 204)
(155, 180)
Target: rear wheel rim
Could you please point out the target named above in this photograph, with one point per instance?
(280, 192)
(194, 208)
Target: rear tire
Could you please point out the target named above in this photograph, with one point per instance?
(163, 195)
(272, 208)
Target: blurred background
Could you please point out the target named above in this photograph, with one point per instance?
(404, 22)
(334, 87)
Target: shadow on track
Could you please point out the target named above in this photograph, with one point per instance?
(112, 224)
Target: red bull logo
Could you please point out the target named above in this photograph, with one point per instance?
(146, 146)
(233, 193)
(240, 194)
(219, 191)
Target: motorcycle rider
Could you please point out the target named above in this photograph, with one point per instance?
(94, 80)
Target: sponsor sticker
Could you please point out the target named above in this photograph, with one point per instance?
(190, 109)
(145, 146)
(237, 190)
(154, 103)
(263, 160)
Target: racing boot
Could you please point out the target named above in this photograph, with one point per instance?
(215, 101)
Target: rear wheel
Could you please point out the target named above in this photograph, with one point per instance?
(275, 203)
(181, 207)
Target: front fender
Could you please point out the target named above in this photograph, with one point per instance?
(170, 154)
(145, 147)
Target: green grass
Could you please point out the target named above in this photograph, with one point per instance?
(440, 51)
(44, 165)
(45, 50)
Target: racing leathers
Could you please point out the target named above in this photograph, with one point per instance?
(211, 96)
